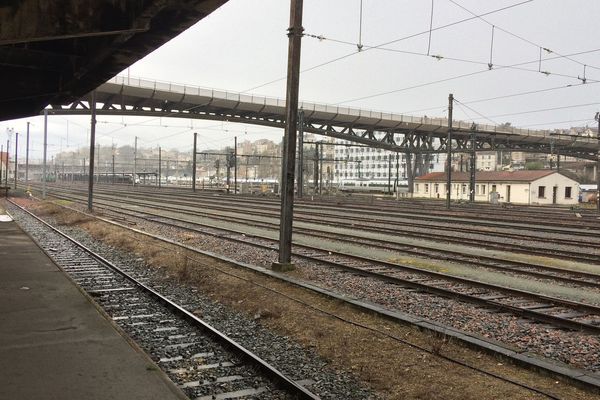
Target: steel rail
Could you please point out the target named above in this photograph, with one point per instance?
(456, 254)
(246, 354)
(530, 250)
(490, 303)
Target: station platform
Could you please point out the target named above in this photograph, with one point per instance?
(54, 343)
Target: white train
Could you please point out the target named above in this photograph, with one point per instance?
(365, 185)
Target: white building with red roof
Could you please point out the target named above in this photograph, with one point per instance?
(519, 187)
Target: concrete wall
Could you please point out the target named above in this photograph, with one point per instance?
(551, 183)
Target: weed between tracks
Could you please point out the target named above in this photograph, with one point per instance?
(393, 369)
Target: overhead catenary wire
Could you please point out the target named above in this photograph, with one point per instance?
(513, 66)
(547, 49)
(500, 97)
(544, 110)
(314, 67)
(481, 116)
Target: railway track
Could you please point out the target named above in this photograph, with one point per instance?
(542, 309)
(578, 377)
(204, 362)
(473, 213)
(588, 226)
(380, 228)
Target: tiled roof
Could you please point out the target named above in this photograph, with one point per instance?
(490, 176)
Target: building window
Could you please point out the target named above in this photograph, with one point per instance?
(493, 188)
(482, 189)
(416, 187)
(542, 192)
(436, 188)
(464, 188)
(427, 188)
(568, 192)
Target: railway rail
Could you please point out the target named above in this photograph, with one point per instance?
(565, 222)
(544, 309)
(380, 227)
(579, 377)
(538, 215)
(205, 362)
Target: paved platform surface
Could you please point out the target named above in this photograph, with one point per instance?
(54, 344)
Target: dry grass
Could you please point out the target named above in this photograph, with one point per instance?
(393, 369)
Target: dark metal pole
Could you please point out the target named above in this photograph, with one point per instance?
(316, 170)
(27, 156)
(390, 173)
(235, 167)
(472, 167)
(159, 166)
(598, 166)
(291, 124)
(449, 152)
(321, 169)
(397, 172)
(7, 162)
(409, 173)
(113, 169)
(194, 162)
(2, 161)
(300, 170)
(134, 160)
(92, 148)
(45, 153)
(16, 158)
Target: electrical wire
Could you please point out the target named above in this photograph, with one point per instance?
(475, 111)
(513, 66)
(519, 37)
(545, 109)
(390, 42)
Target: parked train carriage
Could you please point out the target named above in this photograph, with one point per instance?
(371, 185)
(103, 178)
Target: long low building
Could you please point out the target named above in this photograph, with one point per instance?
(520, 187)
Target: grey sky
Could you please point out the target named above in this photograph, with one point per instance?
(243, 45)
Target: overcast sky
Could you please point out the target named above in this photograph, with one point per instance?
(243, 46)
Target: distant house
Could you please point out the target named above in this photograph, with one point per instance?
(520, 187)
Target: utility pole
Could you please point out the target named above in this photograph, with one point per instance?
(113, 169)
(288, 161)
(598, 166)
(321, 168)
(159, 166)
(134, 161)
(7, 169)
(390, 173)
(449, 151)
(300, 170)
(235, 167)
(16, 158)
(316, 170)
(194, 162)
(397, 173)
(1, 161)
(92, 148)
(27, 157)
(472, 166)
(45, 153)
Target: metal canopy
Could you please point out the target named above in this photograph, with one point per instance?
(57, 51)
(396, 132)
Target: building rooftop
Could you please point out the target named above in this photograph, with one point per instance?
(495, 176)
